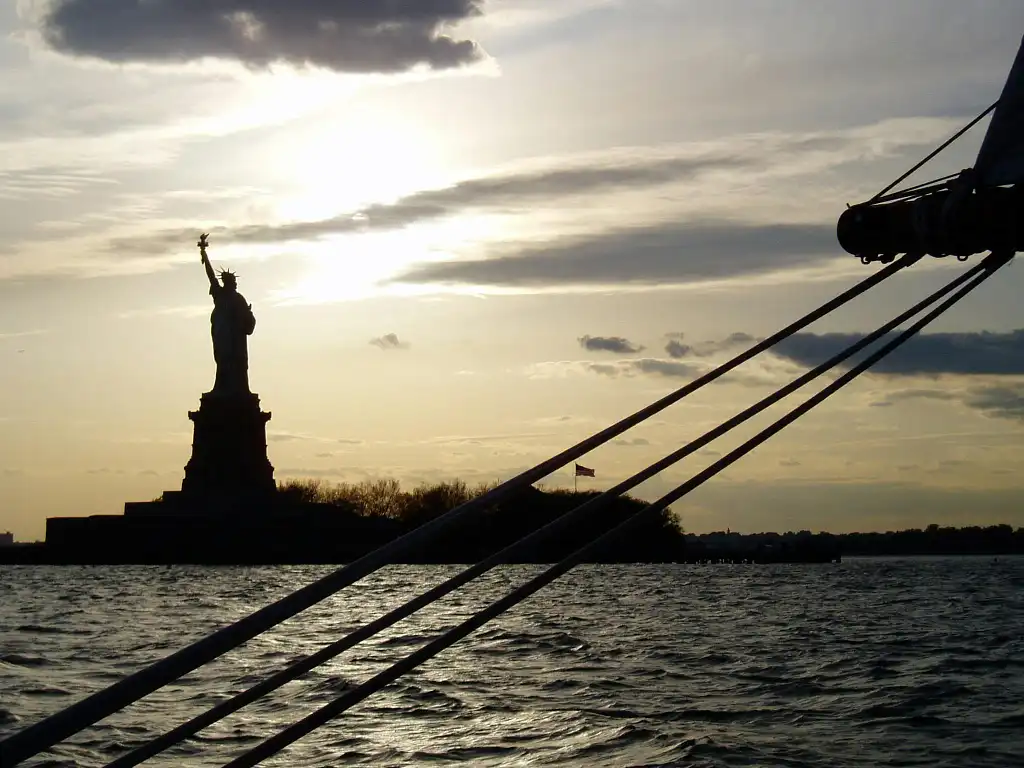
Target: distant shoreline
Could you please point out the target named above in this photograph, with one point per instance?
(11, 556)
(310, 522)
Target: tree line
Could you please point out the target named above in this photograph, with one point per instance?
(657, 539)
(661, 538)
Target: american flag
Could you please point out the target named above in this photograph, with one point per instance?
(582, 471)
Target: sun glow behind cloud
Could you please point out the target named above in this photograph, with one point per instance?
(360, 266)
(379, 201)
(348, 158)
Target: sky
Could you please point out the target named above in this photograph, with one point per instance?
(474, 233)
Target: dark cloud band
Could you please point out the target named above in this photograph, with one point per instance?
(925, 354)
(997, 401)
(358, 36)
(651, 255)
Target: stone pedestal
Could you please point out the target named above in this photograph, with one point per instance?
(229, 449)
(229, 472)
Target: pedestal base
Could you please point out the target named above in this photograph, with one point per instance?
(229, 451)
(229, 472)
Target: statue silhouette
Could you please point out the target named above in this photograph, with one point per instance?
(231, 321)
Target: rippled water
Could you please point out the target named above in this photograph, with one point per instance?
(868, 663)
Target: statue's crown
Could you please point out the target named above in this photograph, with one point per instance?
(228, 276)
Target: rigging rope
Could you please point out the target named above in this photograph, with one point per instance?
(90, 710)
(924, 188)
(936, 151)
(518, 548)
(325, 714)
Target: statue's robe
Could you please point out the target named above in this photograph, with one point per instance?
(231, 322)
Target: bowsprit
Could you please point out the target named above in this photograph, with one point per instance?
(977, 210)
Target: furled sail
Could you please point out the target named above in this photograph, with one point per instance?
(1001, 157)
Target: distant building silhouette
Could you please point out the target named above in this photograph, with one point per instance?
(6, 539)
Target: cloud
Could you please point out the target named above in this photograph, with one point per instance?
(632, 442)
(675, 348)
(357, 36)
(547, 183)
(497, 192)
(502, 441)
(915, 394)
(389, 341)
(285, 437)
(186, 310)
(682, 236)
(282, 436)
(656, 254)
(301, 472)
(670, 368)
(48, 182)
(20, 334)
(764, 375)
(615, 344)
(607, 369)
(972, 355)
(691, 360)
(984, 353)
(750, 376)
(647, 365)
(1001, 402)
(1001, 399)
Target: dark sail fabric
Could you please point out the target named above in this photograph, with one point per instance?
(1001, 157)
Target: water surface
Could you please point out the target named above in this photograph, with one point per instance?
(868, 663)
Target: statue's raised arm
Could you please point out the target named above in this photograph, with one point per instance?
(203, 242)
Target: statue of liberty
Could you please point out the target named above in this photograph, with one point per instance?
(231, 321)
